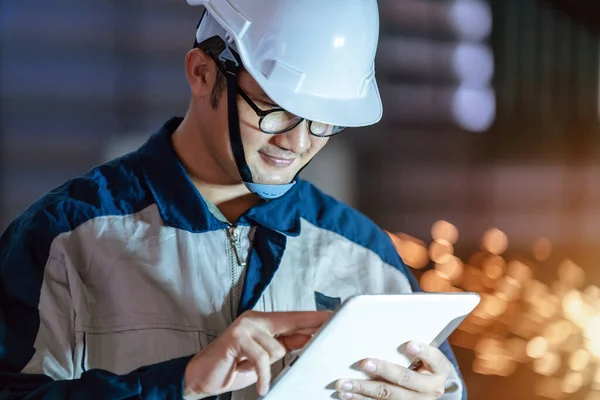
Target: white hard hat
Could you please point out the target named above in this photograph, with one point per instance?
(314, 58)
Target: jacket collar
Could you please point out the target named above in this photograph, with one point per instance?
(181, 205)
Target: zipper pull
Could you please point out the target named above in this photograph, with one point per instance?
(233, 240)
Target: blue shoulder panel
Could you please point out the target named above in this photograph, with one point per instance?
(328, 213)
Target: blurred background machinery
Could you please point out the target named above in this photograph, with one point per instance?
(490, 130)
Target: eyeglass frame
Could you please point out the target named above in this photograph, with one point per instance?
(211, 46)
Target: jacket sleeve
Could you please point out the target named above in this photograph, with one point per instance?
(455, 385)
(34, 367)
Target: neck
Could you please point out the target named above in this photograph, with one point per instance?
(213, 181)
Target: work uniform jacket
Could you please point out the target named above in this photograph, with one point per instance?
(111, 282)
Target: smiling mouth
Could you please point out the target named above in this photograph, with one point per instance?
(277, 161)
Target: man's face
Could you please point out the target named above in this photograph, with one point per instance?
(272, 159)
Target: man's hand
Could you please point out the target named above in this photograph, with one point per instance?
(244, 353)
(393, 382)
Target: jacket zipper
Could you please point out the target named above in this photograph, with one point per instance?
(237, 264)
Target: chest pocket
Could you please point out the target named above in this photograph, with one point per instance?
(326, 303)
(123, 350)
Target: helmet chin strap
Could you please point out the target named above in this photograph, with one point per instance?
(264, 191)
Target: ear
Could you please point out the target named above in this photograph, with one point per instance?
(201, 72)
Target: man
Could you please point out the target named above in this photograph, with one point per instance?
(192, 266)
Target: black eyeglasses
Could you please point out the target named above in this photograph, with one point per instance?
(275, 120)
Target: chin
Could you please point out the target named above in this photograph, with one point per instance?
(273, 181)
(265, 178)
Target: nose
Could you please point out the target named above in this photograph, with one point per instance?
(297, 140)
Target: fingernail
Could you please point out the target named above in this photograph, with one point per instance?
(414, 348)
(264, 391)
(370, 366)
(344, 395)
(346, 386)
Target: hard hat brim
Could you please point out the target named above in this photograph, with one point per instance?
(354, 112)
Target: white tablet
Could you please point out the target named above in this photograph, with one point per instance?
(369, 326)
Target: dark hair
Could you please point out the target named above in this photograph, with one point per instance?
(218, 89)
